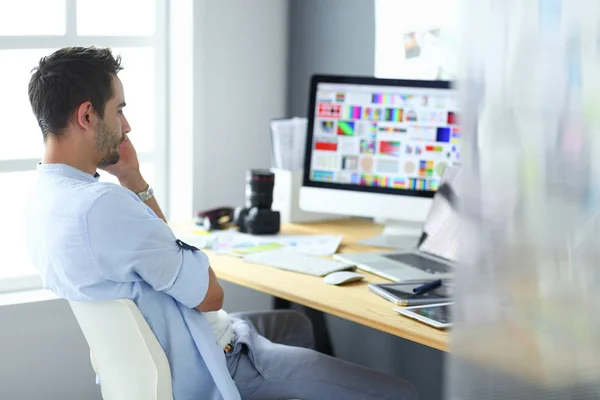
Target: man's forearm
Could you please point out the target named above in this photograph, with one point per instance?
(137, 184)
(153, 204)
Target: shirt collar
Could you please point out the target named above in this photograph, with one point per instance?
(67, 171)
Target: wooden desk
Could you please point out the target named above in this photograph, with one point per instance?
(353, 301)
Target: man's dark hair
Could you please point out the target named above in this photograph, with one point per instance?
(67, 78)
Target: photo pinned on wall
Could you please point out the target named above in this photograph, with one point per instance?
(412, 49)
(414, 42)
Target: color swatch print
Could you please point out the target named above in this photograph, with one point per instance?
(346, 128)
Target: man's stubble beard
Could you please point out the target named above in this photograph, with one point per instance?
(107, 142)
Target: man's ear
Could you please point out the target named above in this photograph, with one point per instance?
(84, 115)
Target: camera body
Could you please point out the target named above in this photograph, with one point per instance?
(257, 217)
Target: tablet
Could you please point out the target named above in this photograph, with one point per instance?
(401, 293)
(436, 315)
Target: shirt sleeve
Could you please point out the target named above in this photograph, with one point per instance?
(129, 243)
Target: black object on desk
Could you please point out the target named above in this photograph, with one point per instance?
(427, 286)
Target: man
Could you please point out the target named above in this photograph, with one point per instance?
(99, 241)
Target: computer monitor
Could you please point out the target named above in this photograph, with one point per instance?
(378, 148)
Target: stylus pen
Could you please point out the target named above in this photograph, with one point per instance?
(427, 286)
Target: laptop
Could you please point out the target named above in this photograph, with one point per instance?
(436, 253)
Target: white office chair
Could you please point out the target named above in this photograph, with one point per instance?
(124, 352)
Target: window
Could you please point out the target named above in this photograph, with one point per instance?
(416, 39)
(24, 38)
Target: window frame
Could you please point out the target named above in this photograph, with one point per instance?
(159, 41)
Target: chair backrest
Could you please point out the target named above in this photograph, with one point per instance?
(127, 357)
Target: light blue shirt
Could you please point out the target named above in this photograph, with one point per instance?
(92, 240)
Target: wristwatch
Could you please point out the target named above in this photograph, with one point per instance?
(146, 194)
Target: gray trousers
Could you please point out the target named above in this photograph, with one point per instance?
(272, 358)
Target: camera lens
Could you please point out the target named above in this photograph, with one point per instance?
(259, 188)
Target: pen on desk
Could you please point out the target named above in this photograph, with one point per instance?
(427, 286)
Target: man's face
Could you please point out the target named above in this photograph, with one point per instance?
(111, 130)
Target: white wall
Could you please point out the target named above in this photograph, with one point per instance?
(240, 84)
(240, 58)
(43, 354)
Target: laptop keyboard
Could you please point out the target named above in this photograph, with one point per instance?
(422, 263)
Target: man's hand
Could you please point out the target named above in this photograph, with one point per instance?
(127, 170)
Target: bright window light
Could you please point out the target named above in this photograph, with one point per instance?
(139, 83)
(32, 17)
(20, 135)
(115, 17)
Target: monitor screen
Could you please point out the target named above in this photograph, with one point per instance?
(381, 135)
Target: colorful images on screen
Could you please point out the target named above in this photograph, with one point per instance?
(406, 98)
(391, 129)
(322, 176)
(353, 112)
(455, 136)
(417, 184)
(411, 116)
(452, 119)
(384, 138)
(443, 135)
(382, 98)
(372, 129)
(345, 128)
(366, 163)
(367, 128)
(426, 168)
(327, 127)
(368, 180)
(388, 166)
(367, 146)
(393, 114)
(329, 110)
(384, 181)
(350, 163)
(378, 114)
(434, 148)
(389, 148)
(326, 145)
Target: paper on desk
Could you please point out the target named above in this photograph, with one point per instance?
(288, 141)
(240, 244)
(443, 221)
(313, 245)
(193, 234)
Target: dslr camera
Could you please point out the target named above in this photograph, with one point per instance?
(257, 217)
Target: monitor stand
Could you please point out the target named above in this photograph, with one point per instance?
(396, 235)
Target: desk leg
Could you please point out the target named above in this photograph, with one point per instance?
(322, 340)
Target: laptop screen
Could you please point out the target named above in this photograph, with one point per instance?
(442, 223)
